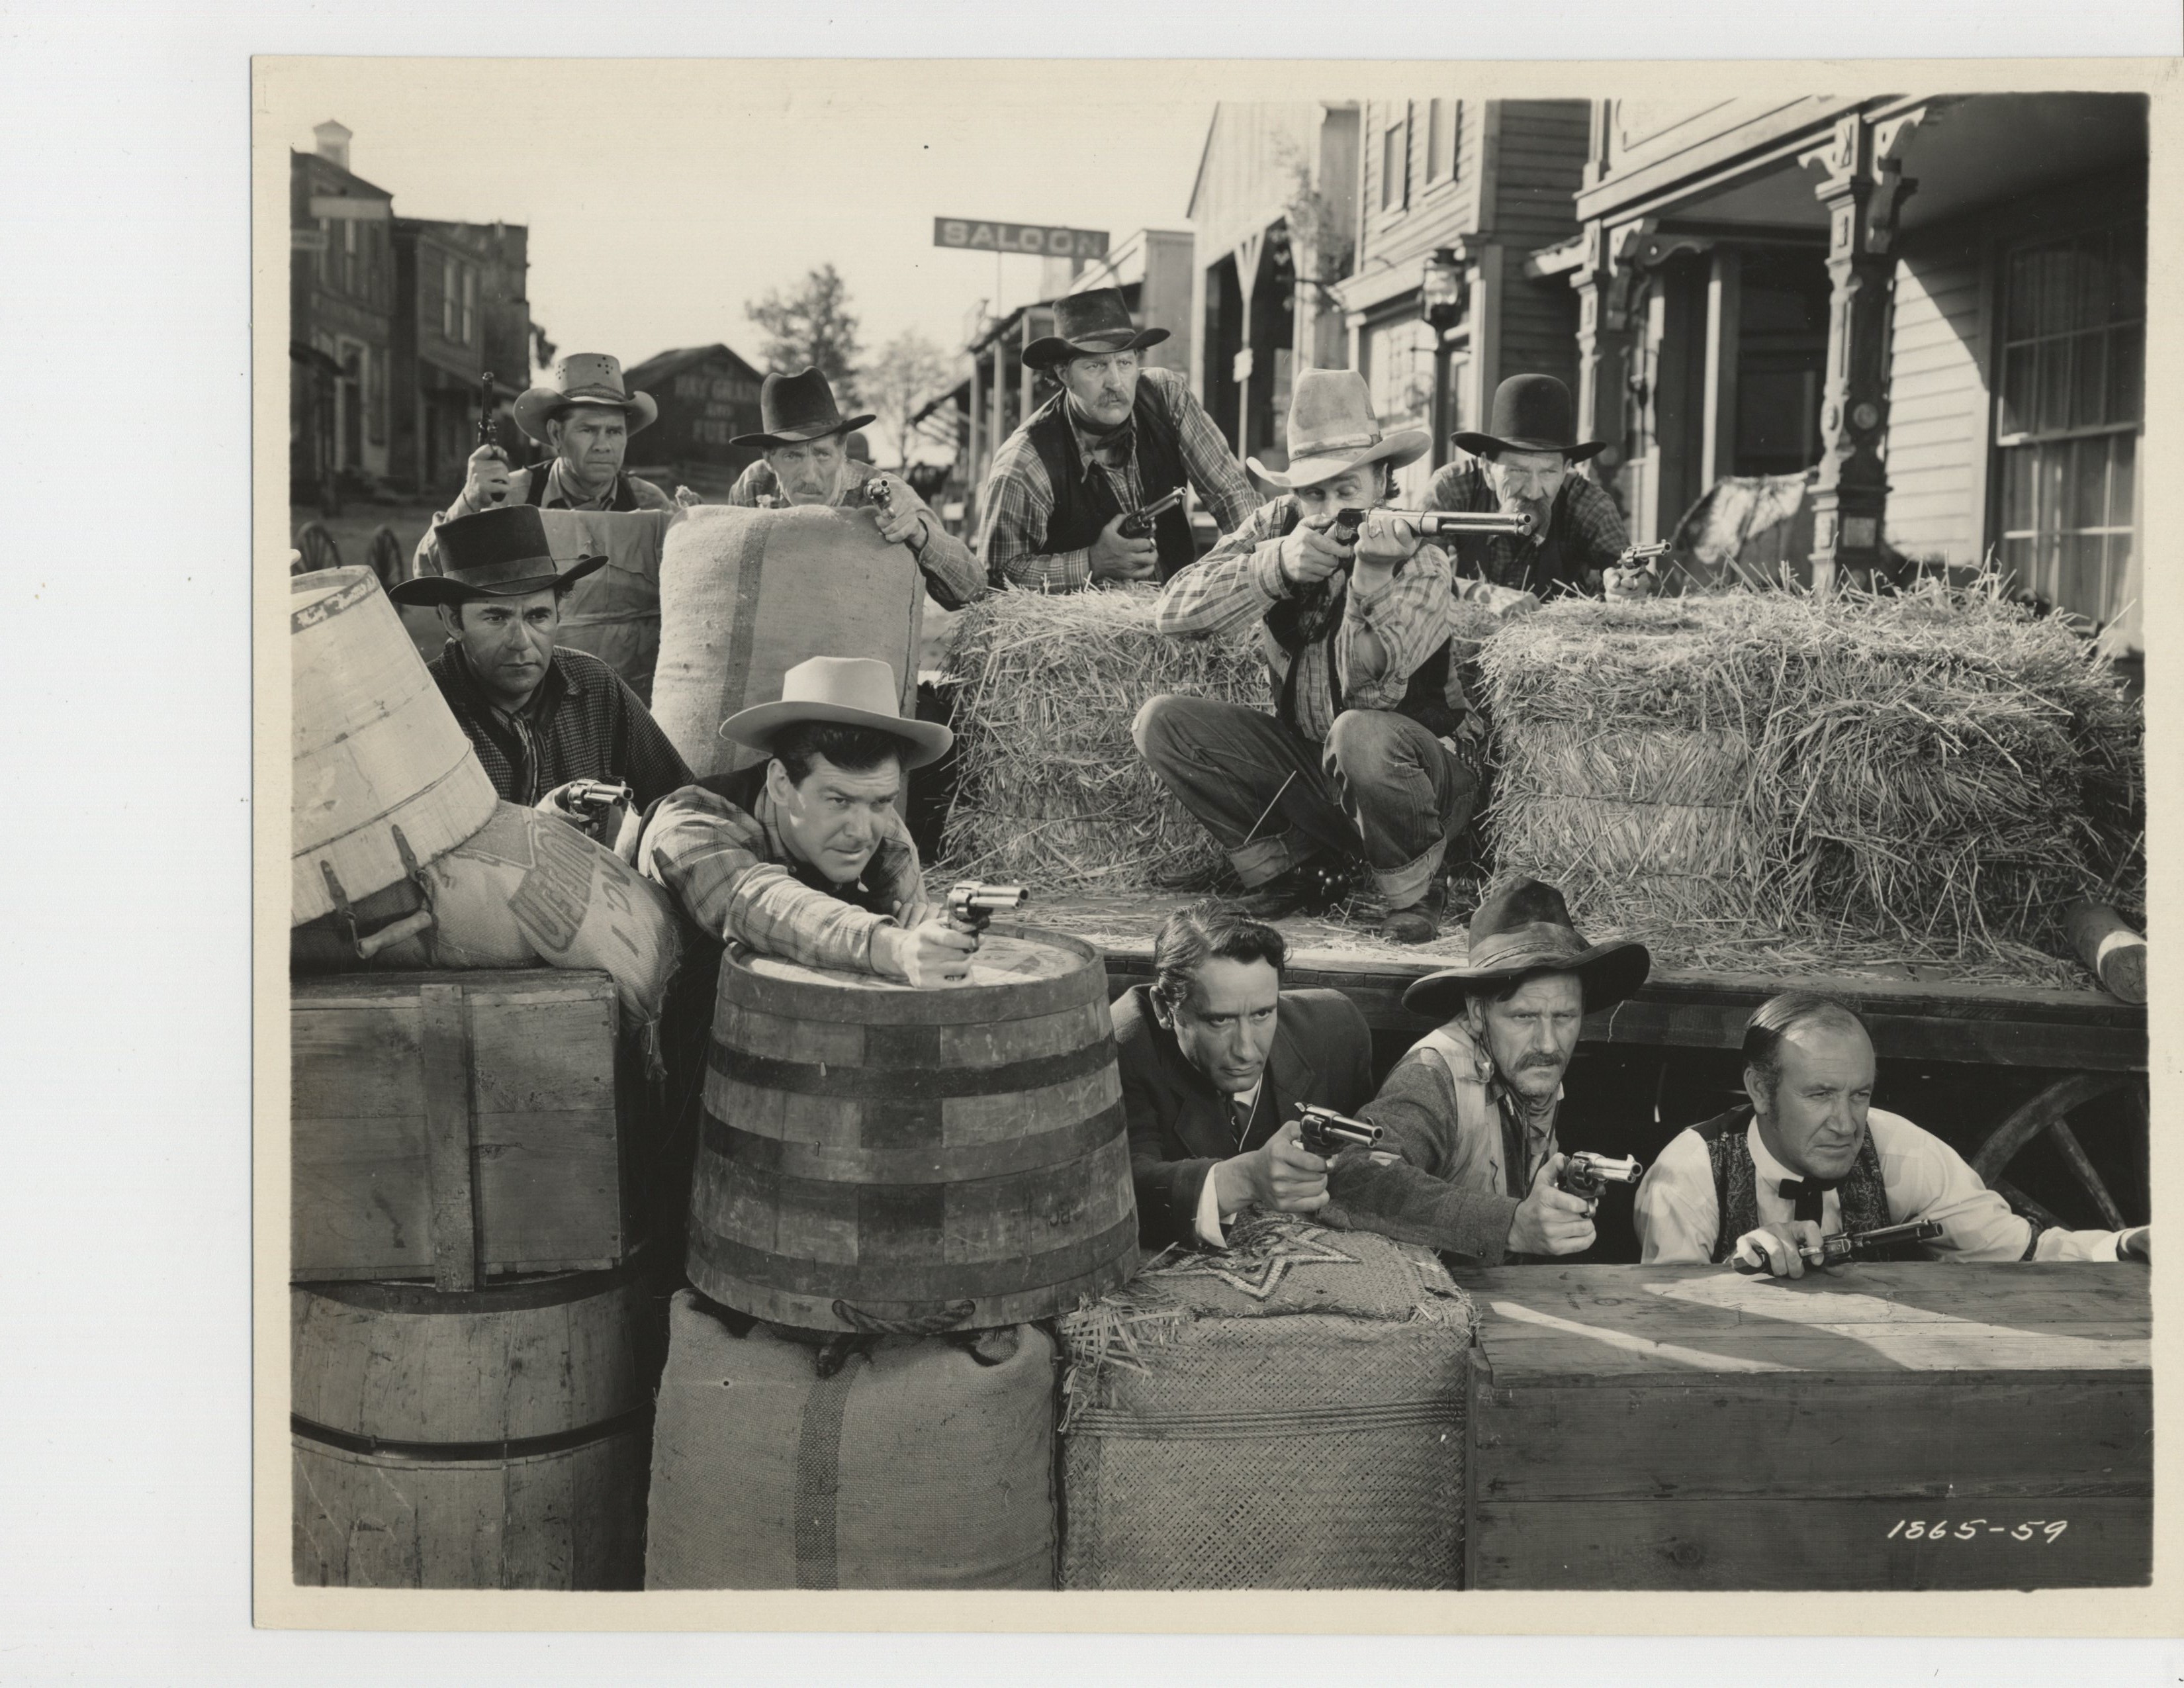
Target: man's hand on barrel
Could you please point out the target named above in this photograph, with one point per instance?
(930, 954)
(487, 484)
(1281, 1176)
(1550, 1220)
(1116, 556)
(1778, 1251)
(1309, 552)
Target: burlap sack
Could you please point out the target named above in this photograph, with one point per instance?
(920, 1467)
(613, 612)
(1289, 1414)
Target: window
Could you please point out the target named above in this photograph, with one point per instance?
(2070, 409)
(1443, 118)
(470, 304)
(1399, 376)
(325, 252)
(348, 255)
(374, 408)
(448, 299)
(1395, 163)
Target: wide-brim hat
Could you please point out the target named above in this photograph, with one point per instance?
(1531, 413)
(795, 409)
(582, 378)
(1088, 324)
(854, 691)
(1332, 430)
(500, 553)
(1523, 930)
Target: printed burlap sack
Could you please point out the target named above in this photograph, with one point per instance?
(1288, 1414)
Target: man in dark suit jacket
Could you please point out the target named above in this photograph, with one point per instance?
(1215, 1058)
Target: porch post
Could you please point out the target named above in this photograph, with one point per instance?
(1603, 341)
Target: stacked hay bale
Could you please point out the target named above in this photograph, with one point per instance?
(1935, 774)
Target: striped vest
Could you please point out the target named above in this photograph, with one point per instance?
(1864, 1196)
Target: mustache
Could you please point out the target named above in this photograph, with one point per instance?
(1532, 1060)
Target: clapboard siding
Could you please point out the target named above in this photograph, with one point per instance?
(1539, 325)
(1540, 161)
(1437, 213)
(1937, 400)
(1246, 178)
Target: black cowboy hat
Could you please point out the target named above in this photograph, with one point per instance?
(1524, 929)
(1531, 413)
(1088, 324)
(495, 554)
(795, 409)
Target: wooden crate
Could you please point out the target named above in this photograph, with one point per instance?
(456, 1126)
(1910, 1426)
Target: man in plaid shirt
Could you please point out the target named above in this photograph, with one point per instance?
(1116, 438)
(1523, 463)
(1362, 756)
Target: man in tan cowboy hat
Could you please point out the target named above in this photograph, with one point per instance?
(539, 716)
(1523, 463)
(805, 855)
(1369, 754)
(1118, 437)
(586, 414)
(1469, 1162)
(807, 461)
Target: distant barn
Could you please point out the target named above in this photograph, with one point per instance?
(707, 395)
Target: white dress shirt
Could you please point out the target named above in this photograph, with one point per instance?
(1212, 1222)
(1678, 1215)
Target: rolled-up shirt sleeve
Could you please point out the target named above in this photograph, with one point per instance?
(1927, 1179)
(1409, 617)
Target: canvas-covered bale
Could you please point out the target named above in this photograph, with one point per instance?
(1287, 1414)
(1939, 773)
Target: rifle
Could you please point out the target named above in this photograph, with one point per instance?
(485, 418)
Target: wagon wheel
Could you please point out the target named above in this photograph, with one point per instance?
(385, 557)
(318, 547)
(2047, 1114)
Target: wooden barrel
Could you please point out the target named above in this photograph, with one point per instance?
(377, 751)
(497, 1438)
(874, 1157)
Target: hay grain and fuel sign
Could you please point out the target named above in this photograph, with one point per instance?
(1036, 240)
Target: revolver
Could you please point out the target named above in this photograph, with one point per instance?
(1587, 1176)
(1643, 556)
(1326, 1133)
(593, 798)
(1848, 1246)
(876, 489)
(972, 904)
(1138, 523)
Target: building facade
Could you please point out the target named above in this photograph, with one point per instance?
(461, 312)
(341, 314)
(707, 396)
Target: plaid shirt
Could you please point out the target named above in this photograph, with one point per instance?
(1018, 497)
(731, 872)
(1240, 579)
(1585, 522)
(581, 723)
(951, 574)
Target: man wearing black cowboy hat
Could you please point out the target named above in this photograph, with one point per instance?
(806, 441)
(1117, 437)
(538, 716)
(585, 414)
(1469, 1163)
(1522, 463)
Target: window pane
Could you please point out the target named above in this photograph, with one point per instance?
(2119, 575)
(2056, 270)
(2126, 373)
(2088, 380)
(2017, 466)
(2123, 470)
(2053, 410)
(2017, 367)
(2090, 281)
(2017, 561)
(2087, 492)
(2024, 291)
(2127, 273)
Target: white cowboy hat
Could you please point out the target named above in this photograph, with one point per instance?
(1332, 429)
(582, 378)
(856, 691)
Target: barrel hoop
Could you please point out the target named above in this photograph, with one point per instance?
(919, 1078)
(1300, 1426)
(557, 1291)
(819, 1477)
(326, 609)
(889, 1282)
(814, 999)
(458, 1453)
(932, 1162)
(467, 754)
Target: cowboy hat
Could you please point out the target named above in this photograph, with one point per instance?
(582, 378)
(794, 409)
(1090, 325)
(1522, 930)
(495, 554)
(855, 691)
(1333, 429)
(1531, 413)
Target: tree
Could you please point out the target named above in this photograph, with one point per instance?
(909, 369)
(812, 328)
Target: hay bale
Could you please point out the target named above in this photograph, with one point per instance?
(1941, 773)
(1050, 789)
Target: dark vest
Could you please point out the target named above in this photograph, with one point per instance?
(1084, 502)
(625, 495)
(1864, 1197)
(1312, 618)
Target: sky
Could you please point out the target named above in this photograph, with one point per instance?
(660, 197)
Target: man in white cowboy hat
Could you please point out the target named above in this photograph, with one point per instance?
(1523, 462)
(585, 414)
(805, 440)
(1369, 754)
(539, 716)
(1118, 437)
(805, 855)
(1469, 1161)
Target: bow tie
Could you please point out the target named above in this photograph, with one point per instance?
(1806, 1194)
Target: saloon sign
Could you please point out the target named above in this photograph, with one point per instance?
(1035, 240)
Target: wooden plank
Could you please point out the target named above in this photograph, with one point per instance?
(444, 1058)
(1814, 1544)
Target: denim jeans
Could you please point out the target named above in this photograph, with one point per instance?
(1382, 787)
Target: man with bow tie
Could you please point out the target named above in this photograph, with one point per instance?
(1810, 1157)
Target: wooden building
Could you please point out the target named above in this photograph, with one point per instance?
(341, 314)
(707, 396)
(1934, 303)
(461, 311)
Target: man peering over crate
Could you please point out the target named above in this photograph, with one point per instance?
(1809, 1158)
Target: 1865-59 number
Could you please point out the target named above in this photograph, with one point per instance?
(1916, 1530)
